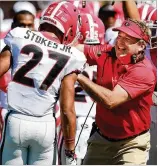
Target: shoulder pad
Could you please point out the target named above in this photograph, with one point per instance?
(78, 54)
(17, 32)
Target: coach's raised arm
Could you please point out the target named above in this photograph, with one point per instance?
(123, 93)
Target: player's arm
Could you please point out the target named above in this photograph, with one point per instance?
(108, 98)
(5, 60)
(4, 80)
(130, 9)
(80, 47)
(93, 52)
(68, 115)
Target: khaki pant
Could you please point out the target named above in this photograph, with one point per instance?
(102, 152)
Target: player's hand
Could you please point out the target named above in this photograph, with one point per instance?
(70, 161)
(70, 157)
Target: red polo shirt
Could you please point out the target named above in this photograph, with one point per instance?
(132, 117)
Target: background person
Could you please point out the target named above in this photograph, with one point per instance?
(24, 19)
(92, 33)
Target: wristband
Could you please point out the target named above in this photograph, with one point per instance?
(70, 153)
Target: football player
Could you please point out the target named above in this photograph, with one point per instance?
(92, 32)
(24, 19)
(148, 13)
(43, 70)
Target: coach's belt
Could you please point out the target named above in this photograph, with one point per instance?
(115, 140)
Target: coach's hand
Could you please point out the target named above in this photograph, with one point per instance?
(70, 157)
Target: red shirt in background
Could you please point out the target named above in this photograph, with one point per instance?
(4, 80)
(132, 117)
(153, 55)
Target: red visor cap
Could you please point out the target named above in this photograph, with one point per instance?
(132, 29)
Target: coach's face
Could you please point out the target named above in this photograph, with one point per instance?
(126, 44)
(25, 21)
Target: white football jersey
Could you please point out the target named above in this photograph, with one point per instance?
(83, 101)
(3, 101)
(2, 44)
(39, 65)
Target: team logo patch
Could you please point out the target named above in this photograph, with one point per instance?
(127, 24)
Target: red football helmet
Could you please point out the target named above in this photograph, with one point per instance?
(92, 30)
(83, 6)
(64, 16)
(148, 13)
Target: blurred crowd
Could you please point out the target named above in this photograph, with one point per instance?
(111, 15)
(109, 12)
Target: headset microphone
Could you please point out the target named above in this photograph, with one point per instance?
(83, 4)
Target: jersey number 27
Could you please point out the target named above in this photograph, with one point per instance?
(61, 61)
